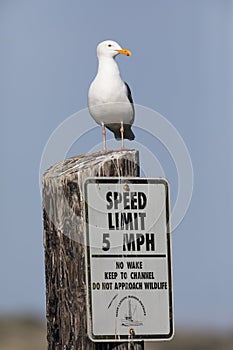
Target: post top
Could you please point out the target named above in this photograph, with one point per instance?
(87, 161)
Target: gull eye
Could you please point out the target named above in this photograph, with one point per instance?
(109, 45)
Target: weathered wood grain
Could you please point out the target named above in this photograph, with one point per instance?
(64, 247)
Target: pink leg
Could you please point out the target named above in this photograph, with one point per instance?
(122, 136)
(104, 138)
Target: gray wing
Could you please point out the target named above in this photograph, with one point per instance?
(129, 95)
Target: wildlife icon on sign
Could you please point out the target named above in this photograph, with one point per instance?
(131, 312)
(129, 320)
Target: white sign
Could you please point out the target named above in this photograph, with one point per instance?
(129, 274)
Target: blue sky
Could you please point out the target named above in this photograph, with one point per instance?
(181, 67)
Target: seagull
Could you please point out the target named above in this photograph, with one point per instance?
(110, 101)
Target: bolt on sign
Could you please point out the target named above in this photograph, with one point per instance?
(128, 259)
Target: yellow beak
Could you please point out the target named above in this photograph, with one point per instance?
(124, 52)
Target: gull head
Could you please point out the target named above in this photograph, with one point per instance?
(110, 48)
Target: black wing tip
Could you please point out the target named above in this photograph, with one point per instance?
(128, 133)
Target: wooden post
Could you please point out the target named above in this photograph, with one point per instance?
(64, 245)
